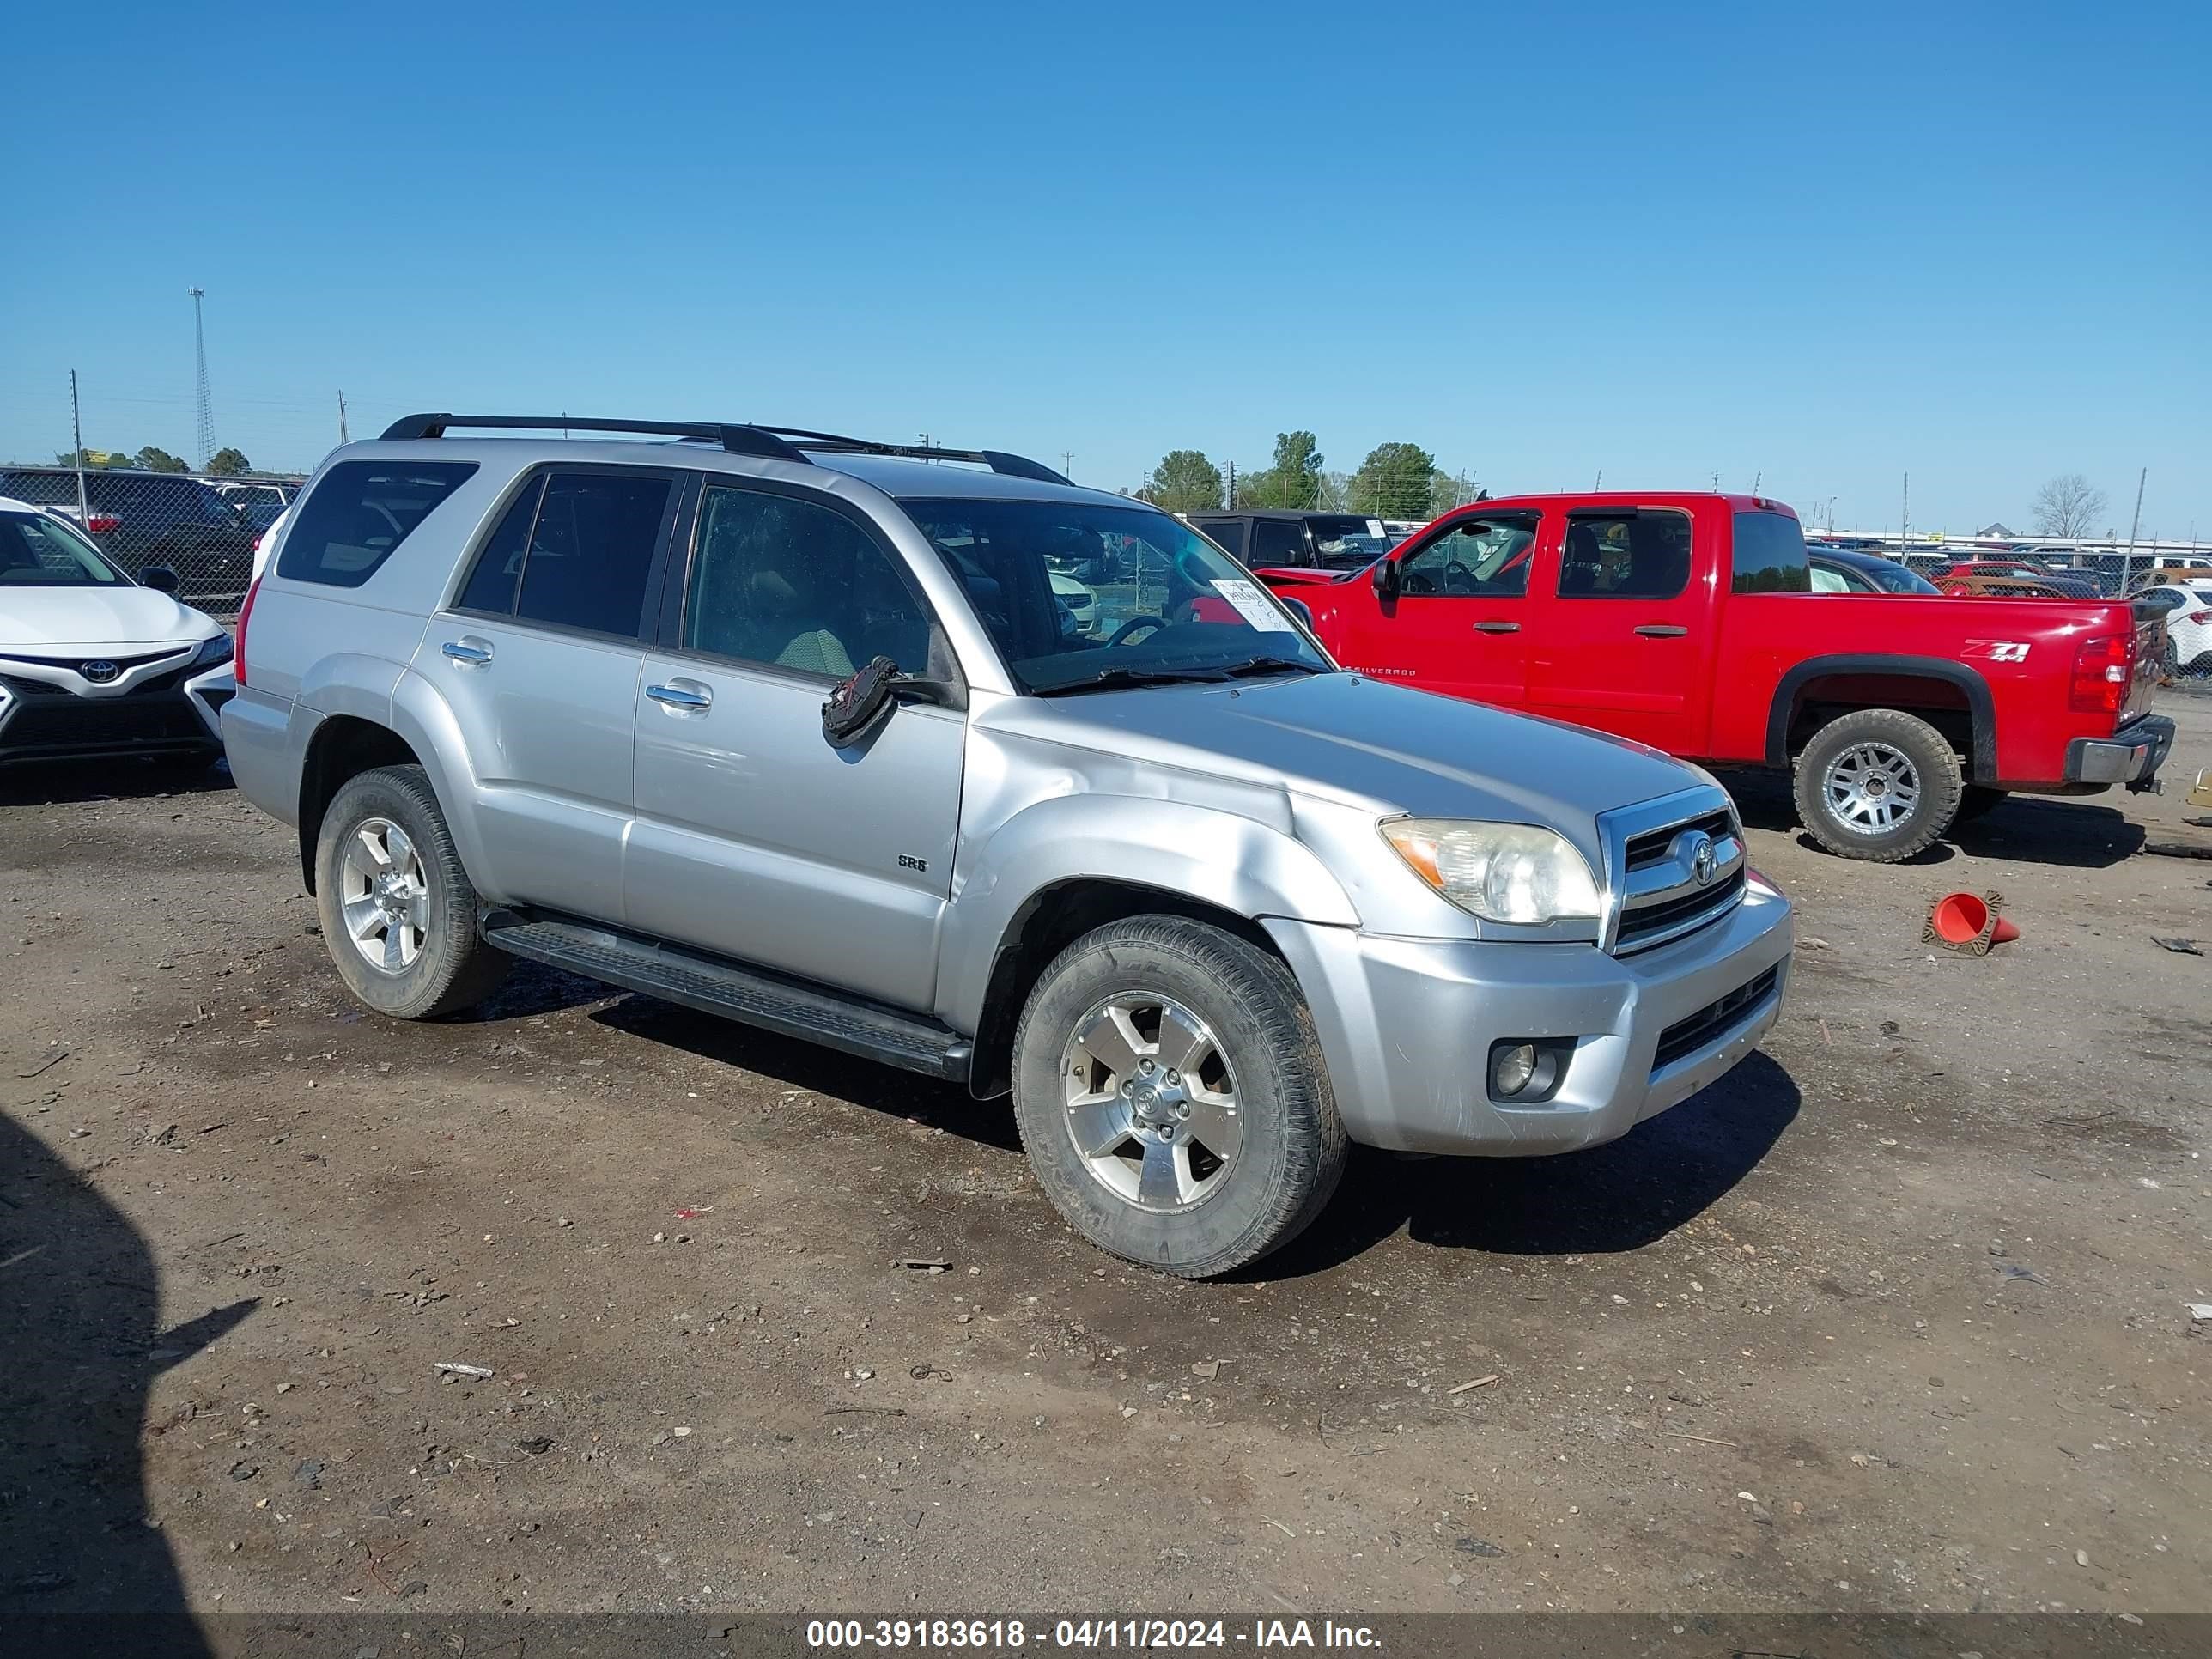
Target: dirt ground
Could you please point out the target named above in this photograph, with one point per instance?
(1893, 1318)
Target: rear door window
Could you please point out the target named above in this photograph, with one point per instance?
(590, 551)
(1636, 554)
(498, 571)
(358, 512)
(1229, 532)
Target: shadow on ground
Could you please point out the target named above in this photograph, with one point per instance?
(78, 1313)
(1617, 1197)
(2077, 834)
(53, 783)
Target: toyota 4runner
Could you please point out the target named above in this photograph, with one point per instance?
(800, 730)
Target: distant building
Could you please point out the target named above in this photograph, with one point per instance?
(1996, 532)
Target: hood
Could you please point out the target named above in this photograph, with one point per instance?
(1363, 743)
(35, 620)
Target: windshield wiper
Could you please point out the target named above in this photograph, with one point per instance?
(1209, 673)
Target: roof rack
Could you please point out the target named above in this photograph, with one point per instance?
(779, 443)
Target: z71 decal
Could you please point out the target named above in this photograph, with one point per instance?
(1997, 650)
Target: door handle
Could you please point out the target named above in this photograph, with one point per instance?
(468, 651)
(1497, 628)
(682, 696)
(1662, 631)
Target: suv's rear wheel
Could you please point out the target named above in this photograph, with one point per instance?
(1171, 1095)
(398, 914)
(1878, 784)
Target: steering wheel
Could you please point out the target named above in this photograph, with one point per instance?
(1456, 572)
(1133, 625)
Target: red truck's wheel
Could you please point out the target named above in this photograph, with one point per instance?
(1878, 784)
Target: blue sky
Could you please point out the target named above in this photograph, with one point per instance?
(1821, 245)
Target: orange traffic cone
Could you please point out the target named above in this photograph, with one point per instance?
(1968, 923)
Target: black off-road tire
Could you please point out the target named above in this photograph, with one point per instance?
(1940, 780)
(1293, 1148)
(455, 969)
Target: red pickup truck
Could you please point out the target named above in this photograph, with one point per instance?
(1687, 622)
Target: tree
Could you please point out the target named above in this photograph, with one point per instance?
(155, 459)
(1294, 481)
(2067, 506)
(1394, 482)
(1183, 482)
(1333, 492)
(228, 464)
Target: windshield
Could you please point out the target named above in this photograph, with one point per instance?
(38, 550)
(1350, 542)
(1075, 595)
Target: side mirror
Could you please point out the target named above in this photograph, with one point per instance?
(1386, 579)
(859, 701)
(162, 578)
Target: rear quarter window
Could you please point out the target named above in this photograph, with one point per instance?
(1770, 554)
(359, 512)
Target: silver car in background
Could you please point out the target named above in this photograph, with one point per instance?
(802, 731)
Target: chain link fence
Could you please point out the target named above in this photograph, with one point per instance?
(202, 528)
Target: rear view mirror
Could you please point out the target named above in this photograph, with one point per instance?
(1385, 579)
(162, 578)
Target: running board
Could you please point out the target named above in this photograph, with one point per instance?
(751, 996)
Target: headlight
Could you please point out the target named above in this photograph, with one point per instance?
(211, 652)
(1499, 871)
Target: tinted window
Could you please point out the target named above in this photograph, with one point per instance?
(1277, 542)
(2163, 599)
(1626, 556)
(359, 512)
(590, 551)
(1486, 557)
(795, 585)
(1770, 554)
(499, 567)
(1229, 532)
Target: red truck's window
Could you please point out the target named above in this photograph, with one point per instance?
(1486, 557)
(1770, 554)
(1626, 556)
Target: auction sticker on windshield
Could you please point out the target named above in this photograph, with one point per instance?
(1250, 606)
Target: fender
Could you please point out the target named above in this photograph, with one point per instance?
(1236, 863)
(424, 719)
(1979, 702)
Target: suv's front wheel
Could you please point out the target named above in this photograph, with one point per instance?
(398, 914)
(1171, 1095)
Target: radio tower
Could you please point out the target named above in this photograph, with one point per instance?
(199, 355)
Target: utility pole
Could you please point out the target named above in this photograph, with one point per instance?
(1905, 514)
(2136, 522)
(1717, 481)
(1232, 501)
(199, 358)
(76, 427)
(1755, 477)
(1067, 463)
(1600, 484)
(343, 439)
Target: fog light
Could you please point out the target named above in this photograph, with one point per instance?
(1511, 1067)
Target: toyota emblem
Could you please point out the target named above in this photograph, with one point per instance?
(99, 670)
(1703, 861)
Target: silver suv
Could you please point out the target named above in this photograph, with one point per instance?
(808, 731)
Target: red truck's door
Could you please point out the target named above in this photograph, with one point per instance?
(1621, 641)
(1456, 624)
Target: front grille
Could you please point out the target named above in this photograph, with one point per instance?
(1713, 1022)
(1652, 921)
(1652, 846)
(77, 723)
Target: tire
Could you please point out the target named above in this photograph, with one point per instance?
(1975, 801)
(1162, 1193)
(430, 960)
(1851, 776)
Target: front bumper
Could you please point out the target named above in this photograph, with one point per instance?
(1407, 1025)
(178, 719)
(2131, 755)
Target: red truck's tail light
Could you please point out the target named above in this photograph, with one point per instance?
(2101, 670)
(238, 645)
(103, 524)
